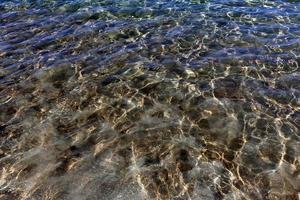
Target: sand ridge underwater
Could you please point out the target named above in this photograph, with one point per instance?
(149, 99)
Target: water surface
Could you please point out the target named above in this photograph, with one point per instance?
(153, 99)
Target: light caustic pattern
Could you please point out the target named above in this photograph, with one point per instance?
(149, 100)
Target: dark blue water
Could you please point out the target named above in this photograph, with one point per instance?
(186, 99)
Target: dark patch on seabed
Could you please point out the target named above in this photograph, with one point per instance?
(164, 99)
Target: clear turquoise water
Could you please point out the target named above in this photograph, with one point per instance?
(149, 99)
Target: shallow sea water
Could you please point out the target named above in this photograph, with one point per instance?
(164, 99)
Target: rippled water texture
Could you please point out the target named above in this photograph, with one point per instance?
(138, 100)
